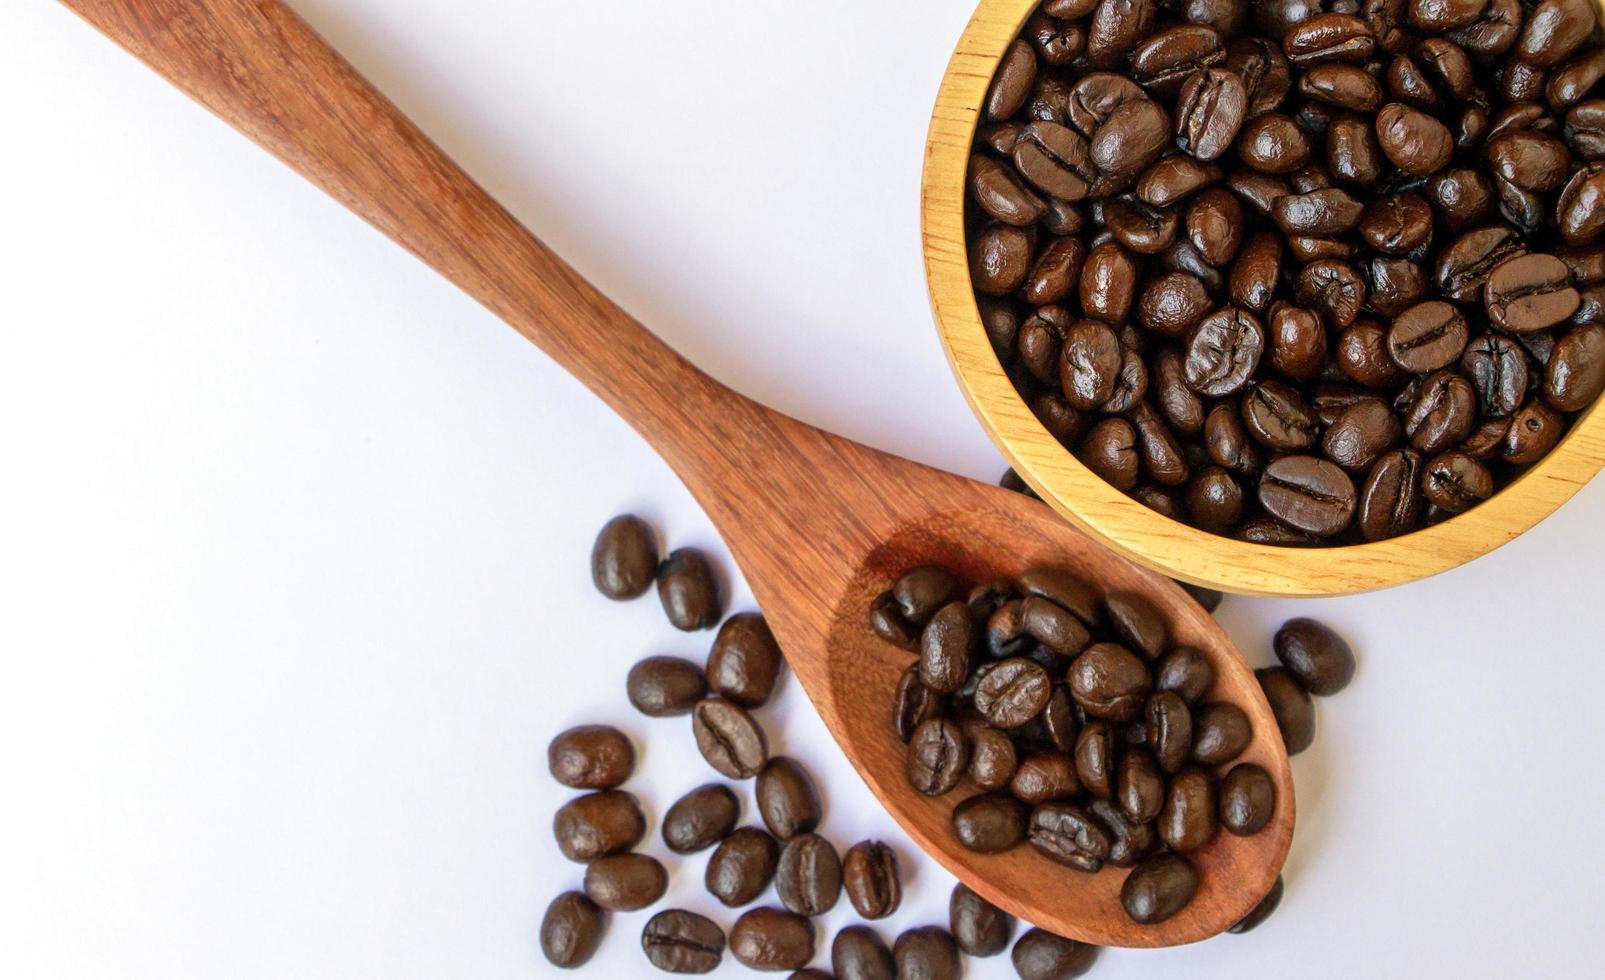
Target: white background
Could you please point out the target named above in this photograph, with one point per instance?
(295, 536)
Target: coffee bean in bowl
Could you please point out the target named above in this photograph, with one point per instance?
(1312, 277)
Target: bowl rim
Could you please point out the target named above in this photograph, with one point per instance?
(1084, 498)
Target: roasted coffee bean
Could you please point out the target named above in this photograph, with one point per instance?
(1188, 819)
(1055, 272)
(1227, 441)
(1040, 339)
(1442, 413)
(1486, 441)
(1167, 59)
(728, 738)
(1291, 705)
(1158, 888)
(1334, 288)
(1055, 160)
(1094, 758)
(1272, 143)
(1172, 303)
(1129, 842)
(1214, 500)
(591, 757)
(1395, 284)
(1132, 137)
(1013, 82)
(688, 590)
(625, 882)
(1352, 152)
(1315, 655)
(1058, 720)
(1063, 588)
(1361, 435)
(1554, 30)
(1173, 179)
(1137, 623)
(914, 703)
(1308, 494)
(624, 560)
(929, 952)
(1139, 786)
(1427, 337)
(1221, 731)
(1247, 799)
(1343, 85)
(859, 953)
(700, 819)
(1532, 161)
(1390, 501)
(947, 648)
(571, 930)
(1268, 530)
(1223, 352)
(1575, 375)
(1005, 630)
(1327, 38)
(1297, 342)
(1585, 129)
(1044, 776)
(979, 927)
(1209, 112)
(1000, 259)
(745, 660)
(677, 941)
(1329, 211)
(1397, 225)
(1534, 431)
(1016, 690)
(1455, 482)
(1040, 955)
(1277, 417)
(993, 758)
(1178, 403)
(787, 799)
(1110, 450)
(661, 687)
(598, 824)
(1089, 368)
(1139, 227)
(1262, 911)
(1054, 627)
(1069, 835)
(870, 878)
(1412, 140)
(1185, 672)
(1001, 194)
(1109, 681)
(1170, 730)
(990, 823)
(1214, 225)
(921, 591)
(1057, 42)
(1108, 285)
(1255, 272)
(1530, 292)
(808, 879)
(938, 755)
(742, 866)
(1464, 265)
(1497, 368)
(772, 939)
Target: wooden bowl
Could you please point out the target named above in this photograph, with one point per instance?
(1111, 517)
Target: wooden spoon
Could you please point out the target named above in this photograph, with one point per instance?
(819, 524)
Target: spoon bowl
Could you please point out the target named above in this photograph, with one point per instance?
(818, 524)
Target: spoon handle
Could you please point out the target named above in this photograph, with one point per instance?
(264, 71)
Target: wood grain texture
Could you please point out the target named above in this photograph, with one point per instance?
(1107, 514)
(818, 524)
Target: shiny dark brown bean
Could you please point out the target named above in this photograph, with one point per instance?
(1017, 689)
(1534, 431)
(1530, 292)
(947, 648)
(1178, 403)
(1427, 337)
(1108, 283)
(859, 953)
(979, 927)
(1352, 152)
(661, 687)
(914, 703)
(993, 758)
(1316, 655)
(928, 952)
(1188, 820)
(1172, 303)
(1055, 160)
(1055, 272)
(1247, 799)
(598, 824)
(1089, 365)
(728, 738)
(1214, 225)
(1134, 136)
(1175, 55)
(1214, 500)
(624, 559)
(1554, 30)
(1137, 623)
(1396, 225)
(1110, 450)
(571, 930)
(1041, 955)
(591, 757)
(1497, 368)
(700, 819)
(990, 823)
(1442, 413)
(688, 590)
(1185, 672)
(1158, 888)
(1290, 705)
(1221, 731)
(677, 941)
(772, 939)
(1044, 776)
(1455, 482)
(1309, 494)
(1227, 441)
(1330, 211)
(1334, 288)
(1211, 108)
(1223, 352)
(745, 660)
(787, 799)
(1170, 730)
(1412, 140)
(1053, 626)
(625, 882)
(1000, 259)
(742, 866)
(1361, 435)
(1069, 835)
(1390, 501)
(1272, 143)
(1362, 355)
(1327, 38)
(1279, 418)
(1095, 759)
(1464, 264)
(938, 755)
(1139, 786)
(999, 193)
(808, 878)
(1109, 681)
(1575, 375)
(1012, 84)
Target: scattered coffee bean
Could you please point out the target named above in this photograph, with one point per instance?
(978, 927)
(742, 866)
(859, 953)
(990, 823)
(787, 799)
(591, 757)
(745, 660)
(808, 878)
(1040, 955)
(927, 953)
(938, 755)
(1291, 705)
(1247, 799)
(1159, 887)
(772, 939)
(870, 878)
(624, 560)
(661, 687)
(598, 824)
(688, 590)
(729, 738)
(700, 819)
(572, 930)
(1315, 655)
(625, 882)
(677, 941)
(1221, 731)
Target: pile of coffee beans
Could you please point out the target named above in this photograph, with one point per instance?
(602, 828)
(1074, 725)
(1298, 271)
